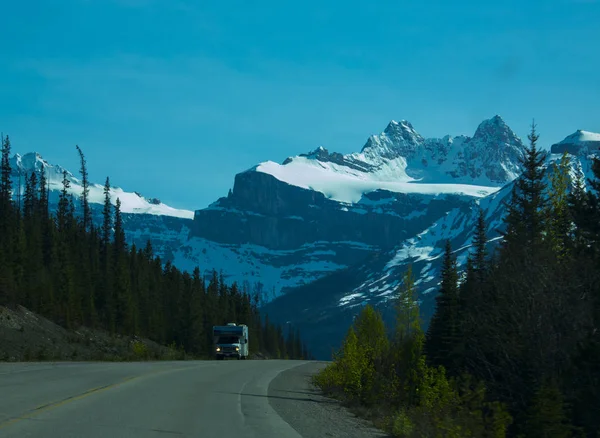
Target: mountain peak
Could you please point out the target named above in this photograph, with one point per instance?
(495, 131)
(580, 142)
(399, 139)
(402, 125)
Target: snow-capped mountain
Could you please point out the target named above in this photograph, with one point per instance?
(290, 224)
(328, 305)
(131, 202)
(323, 233)
(400, 160)
(578, 143)
(143, 218)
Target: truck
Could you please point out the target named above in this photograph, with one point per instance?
(230, 340)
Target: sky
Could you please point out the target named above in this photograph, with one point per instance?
(172, 98)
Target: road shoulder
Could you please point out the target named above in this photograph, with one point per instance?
(295, 399)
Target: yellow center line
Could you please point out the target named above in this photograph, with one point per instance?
(53, 405)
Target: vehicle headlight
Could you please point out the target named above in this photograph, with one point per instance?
(218, 348)
(237, 348)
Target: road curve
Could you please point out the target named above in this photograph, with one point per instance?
(146, 399)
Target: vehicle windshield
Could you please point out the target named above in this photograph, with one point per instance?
(228, 340)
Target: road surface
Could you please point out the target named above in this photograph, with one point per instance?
(255, 398)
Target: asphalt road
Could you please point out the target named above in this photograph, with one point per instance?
(161, 399)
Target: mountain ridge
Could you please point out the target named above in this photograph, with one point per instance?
(287, 236)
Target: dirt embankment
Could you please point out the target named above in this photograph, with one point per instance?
(26, 336)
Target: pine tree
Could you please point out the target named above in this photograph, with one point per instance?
(444, 336)
(583, 209)
(43, 195)
(107, 215)
(407, 309)
(559, 218)
(29, 204)
(408, 344)
(5, 194)
(547, 415)
(5, 177)
(198, 335)
(123, 302)
(63, 204)
(105, 297)
(120, 244)
(526, 218)
(479, 243)
(87, 214)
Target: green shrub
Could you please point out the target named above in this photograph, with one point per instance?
(546, 416)
(424, 401)
(140, 350)
(402, 426)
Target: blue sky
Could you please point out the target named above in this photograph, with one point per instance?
(172, 97)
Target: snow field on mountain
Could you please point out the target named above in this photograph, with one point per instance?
(273, 268)
(347, 185)
(130, 202)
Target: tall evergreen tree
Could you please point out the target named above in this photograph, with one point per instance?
(407, 309)
(120, 243)
(5, 195)
(107, 222)
(63, 204)
(409, 341)
(43, 194)
(5, 176)
(559, 217)
(526, 218)
(30, 201)
(444, 336)
(87, 214)
(123, 299)
(479, 244)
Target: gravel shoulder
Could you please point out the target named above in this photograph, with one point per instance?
(302, 405)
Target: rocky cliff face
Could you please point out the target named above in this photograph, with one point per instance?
(265, 211)
(321, 212)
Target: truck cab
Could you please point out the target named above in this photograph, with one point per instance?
(230, 340)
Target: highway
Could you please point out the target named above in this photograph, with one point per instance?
(254, 398)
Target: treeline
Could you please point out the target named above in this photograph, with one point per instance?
(75, 273)
(513, 349)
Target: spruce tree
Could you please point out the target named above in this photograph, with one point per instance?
(546, 416)
(479, 244)
(63, 204)
(407, 348)
(407, 309)
(5, 177)
(443, 336)
(5, 197)
(107, 221)
(123, 301)
(30, 202)
(120, 244)
(43, 195)
(87, 214)
(198, 336)
(526, 218)
(559, 218)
